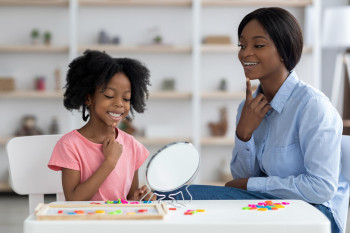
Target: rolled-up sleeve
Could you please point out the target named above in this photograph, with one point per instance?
(244, 162)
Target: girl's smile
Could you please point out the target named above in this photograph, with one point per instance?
(116, 116)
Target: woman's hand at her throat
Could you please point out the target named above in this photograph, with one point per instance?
(253, 113)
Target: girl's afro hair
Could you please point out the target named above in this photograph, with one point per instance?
(94, 69)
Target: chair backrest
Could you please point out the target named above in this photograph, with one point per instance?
(345, 156)
(29, 175)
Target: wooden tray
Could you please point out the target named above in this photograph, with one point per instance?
(90, 211)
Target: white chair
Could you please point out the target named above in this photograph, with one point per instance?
(29, 175)
(345, 156)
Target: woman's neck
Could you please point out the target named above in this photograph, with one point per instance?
(271, 85)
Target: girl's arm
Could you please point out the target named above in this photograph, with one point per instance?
(134, 186)
(136, 193)
(76, 191)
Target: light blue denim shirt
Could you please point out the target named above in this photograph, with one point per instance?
(295, 151)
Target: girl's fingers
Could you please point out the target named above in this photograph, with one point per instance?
(111, 132)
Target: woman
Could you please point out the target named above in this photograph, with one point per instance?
(288, 134)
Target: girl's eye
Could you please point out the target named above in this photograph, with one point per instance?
(241, 46)
(108, 97)
(126, 100)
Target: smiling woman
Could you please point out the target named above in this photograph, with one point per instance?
(288, 134)
(98, 161)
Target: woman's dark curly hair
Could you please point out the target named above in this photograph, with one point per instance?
(95, 69)
(283, 29)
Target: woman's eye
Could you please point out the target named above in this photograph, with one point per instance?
(259, 46)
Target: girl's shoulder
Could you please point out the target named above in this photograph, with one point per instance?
(125, 136)
(128, 139)
(69, 137)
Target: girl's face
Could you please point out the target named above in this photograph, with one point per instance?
(258, 54)
(111, 104)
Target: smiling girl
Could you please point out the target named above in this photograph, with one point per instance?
(98, 161)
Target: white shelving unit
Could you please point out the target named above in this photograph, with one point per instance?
(197, 67)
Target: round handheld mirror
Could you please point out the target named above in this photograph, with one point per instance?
(173, 166)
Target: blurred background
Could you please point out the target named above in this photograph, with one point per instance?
(190, 48)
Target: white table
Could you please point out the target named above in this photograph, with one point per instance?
(219, 216)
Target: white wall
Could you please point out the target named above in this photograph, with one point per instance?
(329, 55)
(133, 25)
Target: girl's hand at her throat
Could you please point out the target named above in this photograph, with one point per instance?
(112, 150)
(253, 113)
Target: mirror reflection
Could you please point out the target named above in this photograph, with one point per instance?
(173, 166)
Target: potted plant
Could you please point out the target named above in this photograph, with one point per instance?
(157, 39)
(47, 38)
(35, 36)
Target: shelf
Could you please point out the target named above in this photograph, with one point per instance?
(138, 48)
(5, 187)
(218, 48)
(64, 3)
(231, 48)
(160, 95)
(346, 123)
(32, 95)
(281, 3)
(4, 140)
(223, 95)
(33, 49)
(218, 141)
(307, 49)
(161, 141)
(185, 3)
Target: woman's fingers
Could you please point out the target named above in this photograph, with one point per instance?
(249, 92)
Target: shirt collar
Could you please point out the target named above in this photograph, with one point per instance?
(279, 100)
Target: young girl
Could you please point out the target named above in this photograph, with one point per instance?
(98, 161)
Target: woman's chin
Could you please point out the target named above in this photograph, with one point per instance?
(251, 77)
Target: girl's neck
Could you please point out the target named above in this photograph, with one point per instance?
(95, 134)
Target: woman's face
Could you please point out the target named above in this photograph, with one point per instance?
(258, 54)
(111, 104)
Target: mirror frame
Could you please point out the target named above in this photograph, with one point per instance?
(164, 148)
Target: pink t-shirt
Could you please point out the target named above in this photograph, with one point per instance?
(76, 152)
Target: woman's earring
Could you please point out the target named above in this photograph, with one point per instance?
(85, 117)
